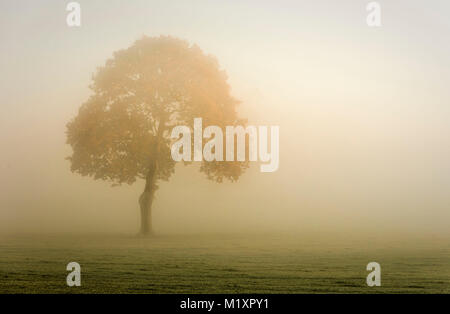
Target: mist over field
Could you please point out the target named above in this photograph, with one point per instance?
(363, 116)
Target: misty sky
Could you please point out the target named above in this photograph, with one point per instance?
(363, 113)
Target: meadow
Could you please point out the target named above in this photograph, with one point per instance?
(236, 263)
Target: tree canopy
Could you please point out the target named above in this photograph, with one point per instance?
(122, 132)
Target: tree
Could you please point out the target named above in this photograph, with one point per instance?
(122, 132)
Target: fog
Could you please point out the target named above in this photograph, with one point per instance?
(363, 114)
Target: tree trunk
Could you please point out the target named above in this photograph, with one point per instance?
(146, 200)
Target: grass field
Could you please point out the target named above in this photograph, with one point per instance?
(222, 264)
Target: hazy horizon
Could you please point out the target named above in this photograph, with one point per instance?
(363, 113)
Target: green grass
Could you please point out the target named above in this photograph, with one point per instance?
(222, 264)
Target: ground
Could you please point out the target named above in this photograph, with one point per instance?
(222, 264)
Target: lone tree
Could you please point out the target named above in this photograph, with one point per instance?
(122, 132)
